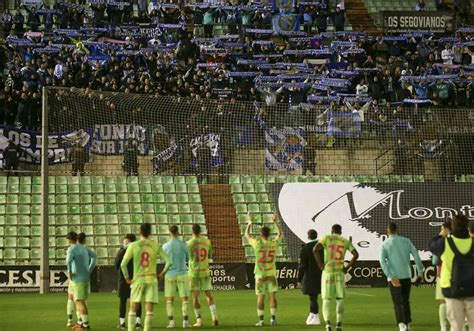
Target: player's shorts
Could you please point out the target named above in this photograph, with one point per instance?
(265, 285)
(177, 286)
(333, 285)
(201, 283)
(144, 292)
(70, 288)
(81, 291)
(439, 290)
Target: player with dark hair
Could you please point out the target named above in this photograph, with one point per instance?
(471, 229)
(309, 275)
(71, 306)
(200, 251)
(395, 261)
(80, 262)
(176, 278)
(265, 268)
(144, 284)
(335, 247)
(123, 287)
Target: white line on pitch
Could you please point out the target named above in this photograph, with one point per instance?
(363, 294)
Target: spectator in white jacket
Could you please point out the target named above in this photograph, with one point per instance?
(447, 55)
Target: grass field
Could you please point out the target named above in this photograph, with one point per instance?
(366, 309)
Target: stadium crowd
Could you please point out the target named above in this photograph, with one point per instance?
(183, 51)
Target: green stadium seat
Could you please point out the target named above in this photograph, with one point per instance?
(102, 253)
(114, 240)
(174, 219)
(85, 188)
(24, 220)
(236, 188)
(122, 198)
(418, 178)
(136, 208)
(61, 219)
(147, 198)
(121, 188)
(13, 188)
(250, 197)
(2, 220)
(137, 219)
(85, 180)
(263, 197)
(196, 208)
(249, 187)
(88, 229)
(184, 208)
(25, 188)
(35, 242)
(85, 199)
(148, 208)
(97, 219)
(9, 254)
(36, 230)
(157, 188)
(163, 229)
(110, 209)
(76, 209)
(193, 188)
(100, 241)
(133, 188)
(169, 188)
(135, 198)
(11, 220)
(196, 198)
(183, 198)
(149, 218)
(160, 208)
(2, 231)
(12, 199)
(171, 198)
(124, 219)
(111, 219)
(145, 188)
(260, 188)
(132, 180)
(241, 208)
(110, 198)
(61, 199)
(100, 230)
(159, 197)
(3, 198)
(239, 198)
(186, 219)
(73, 189)
(187, 229)
(112, 230)
(10, 242)
(156, 180)
(234, 180)
(268, 218)
(253, 208)
(60, 253)
(191, 180)
(249, 252)
(265, 208)
(86, 209)
(123, 208)
(242, 218)
(97, 188)
(74, 198)
(161, 219)
(11, 209)
(98, 198)
(179, 180)
(3, 188)
(167, 179)
(181, 188)
(61, 242)
(124, 229)
(257, 218)
(23, 254)
(51, 230)
(145, 180)
(36, 189)
(3, 180)
(35, 219)
(172, 208)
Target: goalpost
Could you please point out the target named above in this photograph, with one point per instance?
(44, 238)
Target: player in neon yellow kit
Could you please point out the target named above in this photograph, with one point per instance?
(144, 284)
(265, 268)
(333, 284)
(200, 251)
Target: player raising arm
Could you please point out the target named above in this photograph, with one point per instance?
(144, 284)
(332, 281)
(265, 268)
(200, 251)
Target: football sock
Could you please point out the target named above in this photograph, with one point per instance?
(442, 316)
(213, 310)
(148, 319)
(71, 306)
(273, 313)
(197, 312)
(339, 310)
(185, 309)
(121, 321)
(327, 311)
(85, 319)
(139, 320)
(260, 314)
(169, 311)
(131, 321)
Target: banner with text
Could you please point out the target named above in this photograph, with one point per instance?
(364, 210)
(408, 21)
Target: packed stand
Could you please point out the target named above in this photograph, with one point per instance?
(178, 51)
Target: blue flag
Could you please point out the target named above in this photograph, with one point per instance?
(285, 23)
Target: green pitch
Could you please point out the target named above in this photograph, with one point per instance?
(366, 309)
